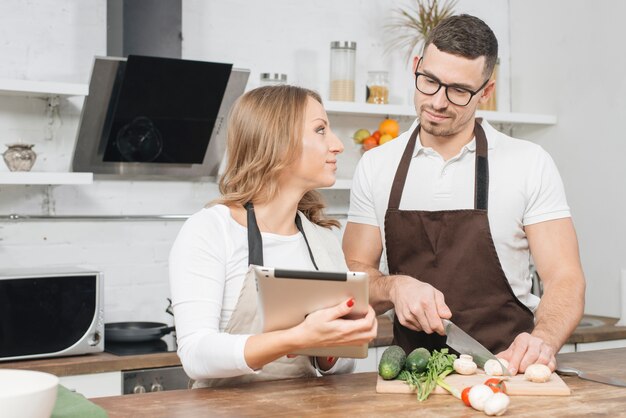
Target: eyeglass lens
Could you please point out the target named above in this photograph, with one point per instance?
(430, 86)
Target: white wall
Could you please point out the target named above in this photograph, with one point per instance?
(568, 59)
(56, 41)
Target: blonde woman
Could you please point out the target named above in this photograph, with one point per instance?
(280, 149)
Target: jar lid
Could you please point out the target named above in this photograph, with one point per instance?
(273, 77)
(343, 45)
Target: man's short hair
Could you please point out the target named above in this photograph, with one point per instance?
(466, 36)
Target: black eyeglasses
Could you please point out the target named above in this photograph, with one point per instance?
(459, 96)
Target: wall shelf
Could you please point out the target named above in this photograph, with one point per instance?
(46, 178)
(42, 89)
(366, 109)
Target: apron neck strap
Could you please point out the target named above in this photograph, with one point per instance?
(481, 186)
(255, 240)
(481, 177)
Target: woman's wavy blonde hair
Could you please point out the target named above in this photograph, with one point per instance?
(265, 131)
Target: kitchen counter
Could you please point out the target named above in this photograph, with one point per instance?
(602, 329)
(94, 363)
(355, 395)
(105, 362)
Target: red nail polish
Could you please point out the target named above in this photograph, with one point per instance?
(350, 303)
(330, 359)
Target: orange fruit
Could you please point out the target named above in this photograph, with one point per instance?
(377, 135)
(369, 143)
(384, 138)
(389, 126)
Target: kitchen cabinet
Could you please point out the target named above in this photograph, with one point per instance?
(94, 385)
(601, 345)
(52, 92)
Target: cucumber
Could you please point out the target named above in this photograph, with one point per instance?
(391, 362)
(417, 360)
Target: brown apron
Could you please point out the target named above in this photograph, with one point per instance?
(453, 251)
(246, 320)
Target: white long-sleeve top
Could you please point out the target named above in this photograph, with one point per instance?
(208, 265)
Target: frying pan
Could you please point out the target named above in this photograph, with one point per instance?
(135, 331)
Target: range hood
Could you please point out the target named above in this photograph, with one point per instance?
(156, 118)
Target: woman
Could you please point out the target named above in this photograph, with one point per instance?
(280, 148)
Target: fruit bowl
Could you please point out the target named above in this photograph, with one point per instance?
(27, 394)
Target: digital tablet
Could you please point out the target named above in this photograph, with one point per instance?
(286, 297)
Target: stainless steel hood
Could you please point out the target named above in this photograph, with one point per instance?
(156, 118)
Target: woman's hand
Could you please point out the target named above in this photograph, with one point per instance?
(328, 328)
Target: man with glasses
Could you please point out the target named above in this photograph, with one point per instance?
(455, 208)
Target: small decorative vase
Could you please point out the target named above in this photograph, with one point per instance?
(19, 157)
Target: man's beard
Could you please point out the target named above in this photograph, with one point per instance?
(437, 129)
(452, 125)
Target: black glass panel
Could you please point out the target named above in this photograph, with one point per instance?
(44, 315)
(163, 110)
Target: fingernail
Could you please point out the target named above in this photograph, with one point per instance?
(330, 359)
(350, 303)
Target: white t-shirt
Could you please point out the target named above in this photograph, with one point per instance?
(208, 265)
(524, 188)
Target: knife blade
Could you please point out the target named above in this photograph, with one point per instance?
(465, 344)
(570, 371)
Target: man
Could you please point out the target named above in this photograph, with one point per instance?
(455, 208)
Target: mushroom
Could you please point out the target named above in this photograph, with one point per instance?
(497, 404)
(478, 396)
(538, 373)
(492, 367)
(465, 365)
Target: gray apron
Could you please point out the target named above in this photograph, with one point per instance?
(245, 319)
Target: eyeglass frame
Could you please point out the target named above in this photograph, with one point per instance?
(473, 93)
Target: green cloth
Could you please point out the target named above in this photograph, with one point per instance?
(74, 405)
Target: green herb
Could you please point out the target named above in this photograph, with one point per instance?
(439, 366)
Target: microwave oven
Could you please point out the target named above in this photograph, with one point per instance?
(50, 313)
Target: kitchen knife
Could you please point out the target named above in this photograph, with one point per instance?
(464, 344)
(570, 371)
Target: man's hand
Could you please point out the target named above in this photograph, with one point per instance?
(418, 305)
(528, 349)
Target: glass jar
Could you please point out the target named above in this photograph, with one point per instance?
(273, 79)
(342, 68)
(377, 88)
(19, 157)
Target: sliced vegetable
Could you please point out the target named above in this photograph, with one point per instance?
(417, 360)
(494, 367)
(391, 362)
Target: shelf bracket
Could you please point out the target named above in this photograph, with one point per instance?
(53, 117)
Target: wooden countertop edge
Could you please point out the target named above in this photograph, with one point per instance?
(95, 363)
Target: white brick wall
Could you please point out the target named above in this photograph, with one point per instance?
(55, 40)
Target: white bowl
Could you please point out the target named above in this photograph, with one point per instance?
(27, 394)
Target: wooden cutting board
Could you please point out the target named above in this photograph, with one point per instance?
(515, 385)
